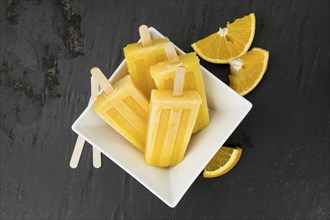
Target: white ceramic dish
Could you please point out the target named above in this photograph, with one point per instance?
(227, 110)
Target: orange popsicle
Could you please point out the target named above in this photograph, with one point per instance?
(163, 74)
(171, 121)
(140, 56)
(123, 107)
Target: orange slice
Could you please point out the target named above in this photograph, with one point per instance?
(222, 162)
(248, 70)
(228, 43)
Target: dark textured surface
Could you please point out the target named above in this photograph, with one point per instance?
(47, 48)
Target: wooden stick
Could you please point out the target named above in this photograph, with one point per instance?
(102, 80)
(95, 89)
(171, 53)
(79, 146)
(96, 158)
(145, 35)
(77, 150)
(179, 81)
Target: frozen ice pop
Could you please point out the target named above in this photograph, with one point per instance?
(172, 117)
(140, 56)
(163, 74)
(123, 107)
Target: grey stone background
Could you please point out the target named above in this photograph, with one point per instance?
(47, 48)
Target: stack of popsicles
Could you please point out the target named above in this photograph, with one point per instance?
(160, 104)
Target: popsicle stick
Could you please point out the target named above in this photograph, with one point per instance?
(145, 35)
(97, 156)
(79, 146)
(102, 80)
(179, 81)
(77, 152)
(95, 89)
(171, 53)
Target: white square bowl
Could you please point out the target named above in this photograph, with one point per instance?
(227, 110)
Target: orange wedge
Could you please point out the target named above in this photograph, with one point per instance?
(228, 43)
(222, 162)
(248, 70)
